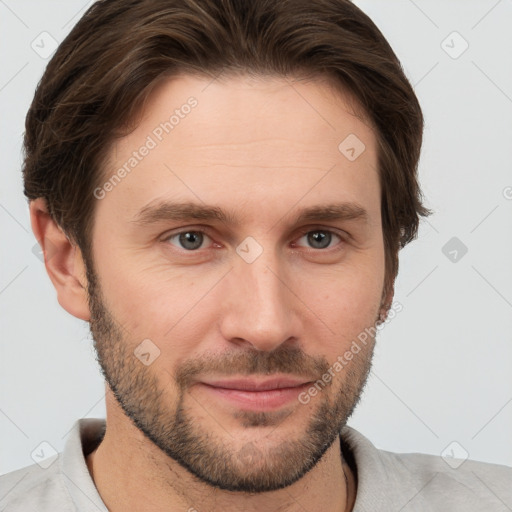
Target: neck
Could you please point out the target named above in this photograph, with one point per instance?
(126, 465)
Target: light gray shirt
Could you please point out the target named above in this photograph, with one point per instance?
(386, 481)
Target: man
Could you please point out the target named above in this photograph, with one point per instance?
(221, 188)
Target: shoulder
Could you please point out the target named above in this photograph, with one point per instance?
(455, 483)
(423, 482)
(34, 488)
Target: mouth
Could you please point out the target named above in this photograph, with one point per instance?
(256, 394)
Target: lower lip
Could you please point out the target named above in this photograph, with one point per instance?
(267, 400)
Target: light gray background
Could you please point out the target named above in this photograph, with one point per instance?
(442, 367)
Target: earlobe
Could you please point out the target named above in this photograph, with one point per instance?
(63, 261)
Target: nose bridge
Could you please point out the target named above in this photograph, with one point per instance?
(260, 311)
(264, 285)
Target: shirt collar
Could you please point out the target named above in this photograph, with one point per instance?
(83, 439)
(375, 484)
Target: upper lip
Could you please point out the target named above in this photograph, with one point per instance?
(254, 384)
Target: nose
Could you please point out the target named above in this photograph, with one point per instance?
(260, 307)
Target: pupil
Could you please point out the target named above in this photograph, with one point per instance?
(191, 240)
(320, 237)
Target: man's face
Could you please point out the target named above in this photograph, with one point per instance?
(192, 317)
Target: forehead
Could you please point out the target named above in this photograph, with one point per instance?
(238, 137)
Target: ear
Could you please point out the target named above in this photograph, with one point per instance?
(62, 259)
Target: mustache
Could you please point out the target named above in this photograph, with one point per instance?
(292, 360)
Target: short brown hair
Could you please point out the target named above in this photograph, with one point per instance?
(100, 76)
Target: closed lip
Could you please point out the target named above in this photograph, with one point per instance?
(253, 384)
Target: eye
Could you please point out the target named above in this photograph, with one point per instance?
(189, 240)
(193, 239)
(320, 238)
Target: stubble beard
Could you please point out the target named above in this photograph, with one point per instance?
(253, 467)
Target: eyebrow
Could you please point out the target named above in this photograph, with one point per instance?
(160, 211)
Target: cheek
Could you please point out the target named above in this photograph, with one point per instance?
(178, 307)
(346, 302)
(164, 305)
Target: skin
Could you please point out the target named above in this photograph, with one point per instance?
(262, 148)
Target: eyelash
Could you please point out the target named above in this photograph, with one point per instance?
(313, 229)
